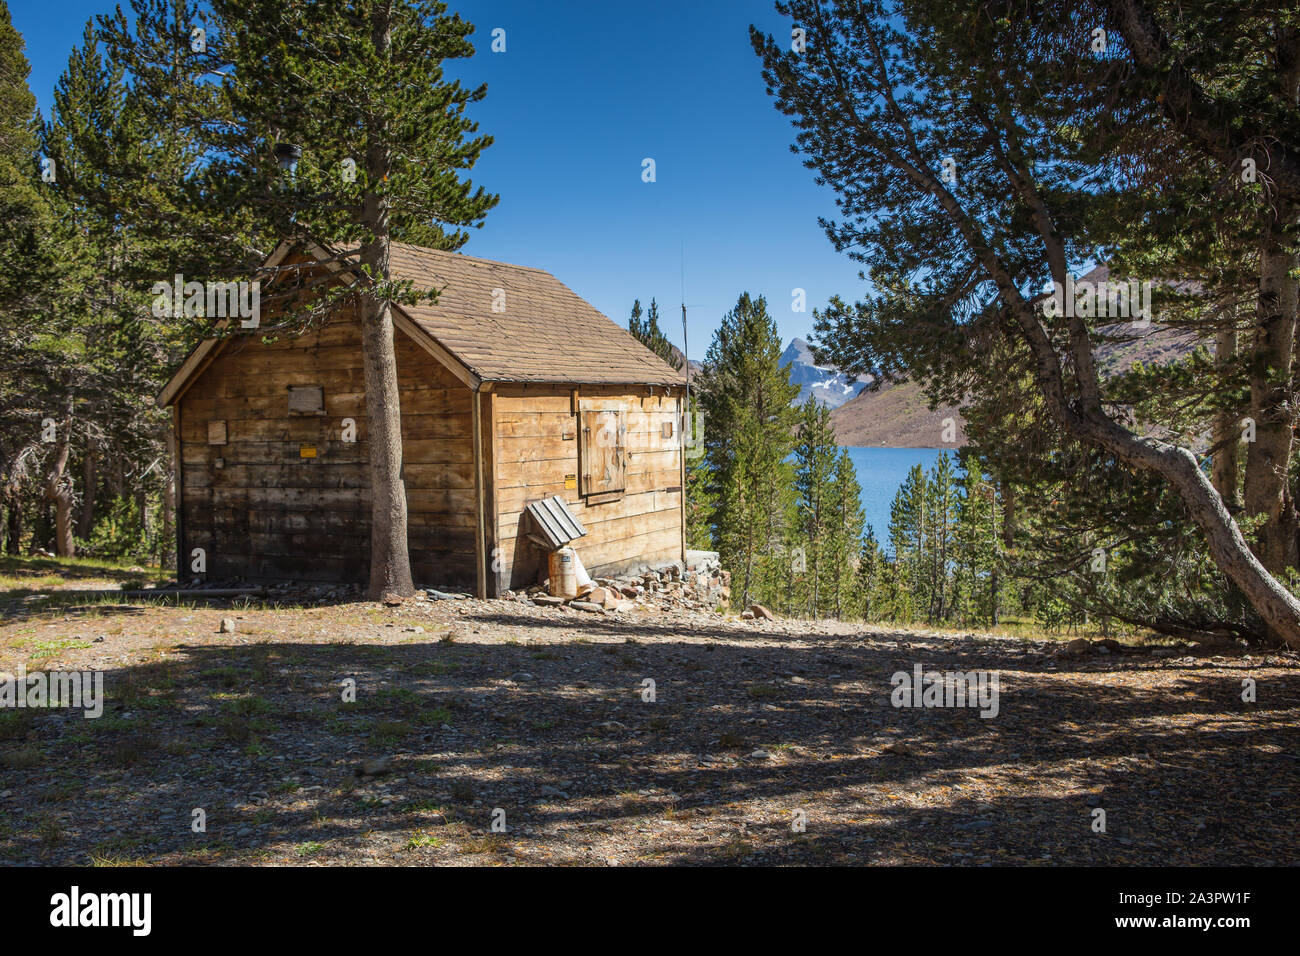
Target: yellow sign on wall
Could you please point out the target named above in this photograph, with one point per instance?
(570, 481)
(306, 451)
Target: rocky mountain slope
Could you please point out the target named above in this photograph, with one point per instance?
(898, 416)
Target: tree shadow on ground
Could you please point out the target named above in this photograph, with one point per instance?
(742, 738)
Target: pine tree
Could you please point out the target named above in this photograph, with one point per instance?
(745, 395)
(649, 333)
(909, 542)
(699, 501)
(815, 459)
(941, 509)
(958, 233)
(332, 84)
(981, 543)
(24, 222)
(109, 355)
(178, 205)
(844, 543)
(871, 578)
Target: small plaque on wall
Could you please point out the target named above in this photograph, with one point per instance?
(216, 433)
(306, 451)
(570, 481)
(306, 400)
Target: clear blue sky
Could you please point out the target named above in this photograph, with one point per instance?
(584, 92)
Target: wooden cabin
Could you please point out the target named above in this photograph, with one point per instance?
(513, 389)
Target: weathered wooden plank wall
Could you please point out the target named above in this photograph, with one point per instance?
(537, 447)
(262, 511)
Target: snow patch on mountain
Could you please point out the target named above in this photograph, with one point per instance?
(827, 385)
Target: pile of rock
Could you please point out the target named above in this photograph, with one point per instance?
(700, 584)
(705, 575)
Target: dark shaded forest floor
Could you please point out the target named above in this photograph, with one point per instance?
(484, 707)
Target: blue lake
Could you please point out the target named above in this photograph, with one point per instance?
(881, 471)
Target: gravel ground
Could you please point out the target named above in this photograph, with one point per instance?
(764, 743)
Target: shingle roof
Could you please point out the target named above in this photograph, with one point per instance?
(545, 333)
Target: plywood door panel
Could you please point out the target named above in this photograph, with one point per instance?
(602, 435)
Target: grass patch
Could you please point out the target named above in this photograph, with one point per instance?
(422, 838)
(389, 731)
(131, 750)
(49, 830)
(23, 758)
(235, 728)
(110, 860)
(244, 706)
(436, 717)
(15, 724)
(491, 843)
(397, 699)
(434, 668)
(423, 806)
(224, 676)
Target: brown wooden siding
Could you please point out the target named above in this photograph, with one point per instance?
(537, 446)
(268, 513)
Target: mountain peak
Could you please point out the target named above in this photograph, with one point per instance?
(797, 351)
(829, 386)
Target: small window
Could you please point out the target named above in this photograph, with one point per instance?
(603, 453)
(306, 400)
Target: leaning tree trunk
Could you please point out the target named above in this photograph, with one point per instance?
(390, 561)
(1085, 421)
(1278, 607)
(1082, 416)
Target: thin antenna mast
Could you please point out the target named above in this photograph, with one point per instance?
(686, 344)
(686, 360)
(686, 409)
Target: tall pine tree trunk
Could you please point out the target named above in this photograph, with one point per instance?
(1272, 399)
(58, 487)
(390, 560)
(86, 519)
(390, 564)
(14, 520)
(994, 551)
(167, 557)
(1227, 430)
